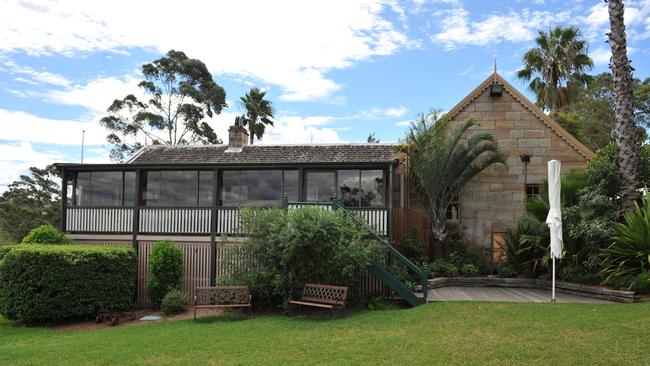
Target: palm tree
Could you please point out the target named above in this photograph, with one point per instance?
(259, 113)
(625, 130)
(557, 67)
(441, 159)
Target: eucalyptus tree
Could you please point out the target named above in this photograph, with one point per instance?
(181, 94)
(625, 130)
(259, 113)
(32, 200)
(556, 67)
(441, 159)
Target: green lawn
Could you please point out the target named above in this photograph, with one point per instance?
(439, 333)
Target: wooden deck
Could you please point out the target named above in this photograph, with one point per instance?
(458, 293)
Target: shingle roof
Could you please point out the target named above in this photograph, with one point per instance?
(266, 154)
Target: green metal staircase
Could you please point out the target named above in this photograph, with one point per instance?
(383, 267)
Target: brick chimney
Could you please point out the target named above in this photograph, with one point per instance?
(237, 134)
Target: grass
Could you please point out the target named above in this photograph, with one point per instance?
(439, 333)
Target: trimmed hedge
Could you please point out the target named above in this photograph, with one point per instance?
(56, 282)
(46, 234)
(4, 249)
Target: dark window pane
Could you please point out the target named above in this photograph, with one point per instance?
(291, 183)
(151, 184)
(206, 184)
(372, 188)
(129, 188)
(230, 188)
(348, 191)
(261, 187)
(532, 190)
(82, 191)
(321, 186)
(178, 188)
(106, 188)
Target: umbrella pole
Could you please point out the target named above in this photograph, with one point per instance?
(553, 287)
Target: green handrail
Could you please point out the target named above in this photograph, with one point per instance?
(420, 272)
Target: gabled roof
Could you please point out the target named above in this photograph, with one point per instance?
(530, 106)
(266, 154)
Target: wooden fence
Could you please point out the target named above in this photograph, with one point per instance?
(230, 258)
(406, 220)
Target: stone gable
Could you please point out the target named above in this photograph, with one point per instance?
(494, 200)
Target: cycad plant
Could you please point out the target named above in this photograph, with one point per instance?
(442, 158)
(627, 259)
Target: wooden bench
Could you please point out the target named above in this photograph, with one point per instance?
(216, 297)
(323, 296)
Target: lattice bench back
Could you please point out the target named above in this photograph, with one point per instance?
(325, 294)
(222, 295)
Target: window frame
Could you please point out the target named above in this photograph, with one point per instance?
(74, 200)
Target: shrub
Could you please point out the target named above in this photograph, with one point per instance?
(46, 234)
(628, 257)
(469, 270)
(165, 270)
(4, 249)
(442, 268)
(56, 282)
(174, 302)
(413, 248)
(299, 246)
(504, 269)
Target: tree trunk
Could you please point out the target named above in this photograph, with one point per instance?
(625, 130)
(438, 234)
(252, 135)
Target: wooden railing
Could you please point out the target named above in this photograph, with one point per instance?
(99, 219)
(190, 220)
(228, 220)
(175, 220)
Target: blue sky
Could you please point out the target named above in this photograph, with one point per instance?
(335, 70)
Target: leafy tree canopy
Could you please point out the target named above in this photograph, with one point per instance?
(372, 139)
(182, 93)
(29, 202)
(590, 116)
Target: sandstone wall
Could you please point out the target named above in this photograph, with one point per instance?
(494, 200)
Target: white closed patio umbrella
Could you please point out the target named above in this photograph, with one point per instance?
(554, 218)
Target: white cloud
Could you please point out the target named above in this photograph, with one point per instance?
(292, 44)
(299, 130)
(601, 55)
(97, 94)
(458, 30)
(21, 126)
(37, 76)
(15, 158)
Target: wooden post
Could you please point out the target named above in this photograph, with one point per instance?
(136, 210)
(213, 228)
(390, 202)
(136, 228)
(301, 185)
(64, 199)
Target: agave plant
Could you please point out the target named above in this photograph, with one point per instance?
(587, 217)
(627, 259)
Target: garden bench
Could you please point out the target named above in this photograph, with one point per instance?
(216, 297)
(323, 296)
